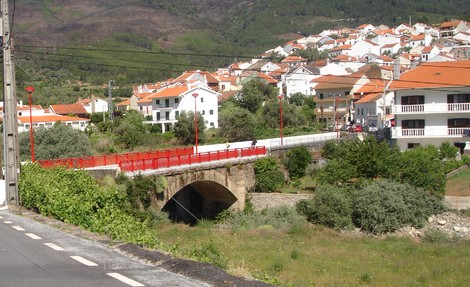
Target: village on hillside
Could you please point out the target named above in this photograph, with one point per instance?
(411, 80)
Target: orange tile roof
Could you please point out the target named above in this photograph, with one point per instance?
(49, 119)
(26, 108)
(374, 86)
(170, 92)
(342, 47)
(68, 109)
(124, 103)
(369, 98)
(419, 37)
(293, 59)
(435, 75)
(450, 24)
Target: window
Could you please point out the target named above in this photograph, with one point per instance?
(141, 108)
(158, 116)
(458, 123)
(202, 100)
(413, 145)
(212, 125)
(20, 114)
(177, 114)
(211, 112)
(203, 112)
(157, 102)
(412, 100)
(412, 124)
(347, 93)
(167, 103)
(167, 116)
(177, 100)
(321, 96)
(458, 98)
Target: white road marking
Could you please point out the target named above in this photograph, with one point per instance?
(84, 261)
(1, 217)
(33, 236)
(19, 228)
(55, 247)
(7, 222)
(126, 280)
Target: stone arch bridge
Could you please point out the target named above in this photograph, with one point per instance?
(206, 191)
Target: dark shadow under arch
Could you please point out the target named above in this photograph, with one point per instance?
(200, 199)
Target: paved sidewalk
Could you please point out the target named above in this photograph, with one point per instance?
(457, 202)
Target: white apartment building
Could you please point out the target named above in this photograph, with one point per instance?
(167, 104)
(432, 105)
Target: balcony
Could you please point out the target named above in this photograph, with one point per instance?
(430, 132)
(432, 108)
(166, 107)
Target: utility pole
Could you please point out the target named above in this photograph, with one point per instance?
(10, 121)
(110, 104)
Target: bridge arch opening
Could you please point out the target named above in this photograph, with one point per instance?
(198, 200)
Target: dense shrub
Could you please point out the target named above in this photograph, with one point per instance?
(422, 167)
(378, 207)
(268, 175)
(296, 161)
(331, 206)
(384, 206)
(75, 197)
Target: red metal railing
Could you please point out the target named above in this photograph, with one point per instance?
(112, 159)
(166, 162)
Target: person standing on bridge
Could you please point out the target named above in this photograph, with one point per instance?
(227, 144)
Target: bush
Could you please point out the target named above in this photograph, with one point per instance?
(296, 161)
(268, 175)
(384, 206)
(330, 206)
(75, 197)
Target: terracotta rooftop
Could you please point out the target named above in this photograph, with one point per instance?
(435, 75)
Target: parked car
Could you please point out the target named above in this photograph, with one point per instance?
(355, 128)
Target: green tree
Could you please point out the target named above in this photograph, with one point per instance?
(296, 161)
(236, 123)
(291, 114)
(268, 175)
(130, 129)
(254, 93)
(59, 141)
(184, 128)
(422, 167)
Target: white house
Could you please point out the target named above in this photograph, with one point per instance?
(363, 47)
(432, 105)
(94, 105)
(191, 96)
(451, 28)
(298, 80)
(48, 120)
(374, 103)
(421, 39)
(462, 37)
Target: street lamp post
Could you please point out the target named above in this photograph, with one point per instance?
(280, 97)
(195, 117)
(30, 90)
(336, 116)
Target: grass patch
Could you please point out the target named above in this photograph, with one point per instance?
(459, 184)
(318, 256)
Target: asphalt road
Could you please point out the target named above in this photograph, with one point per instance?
(33, 254)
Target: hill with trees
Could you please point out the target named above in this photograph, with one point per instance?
(58, 43)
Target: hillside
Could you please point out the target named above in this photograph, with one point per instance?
(135, 41)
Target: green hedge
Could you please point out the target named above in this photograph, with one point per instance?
(74, 197)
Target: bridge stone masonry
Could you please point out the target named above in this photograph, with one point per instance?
(205, 192)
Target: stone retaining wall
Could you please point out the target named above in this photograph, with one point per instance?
(268, 200)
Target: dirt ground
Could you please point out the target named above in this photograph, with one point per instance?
(204, 272)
